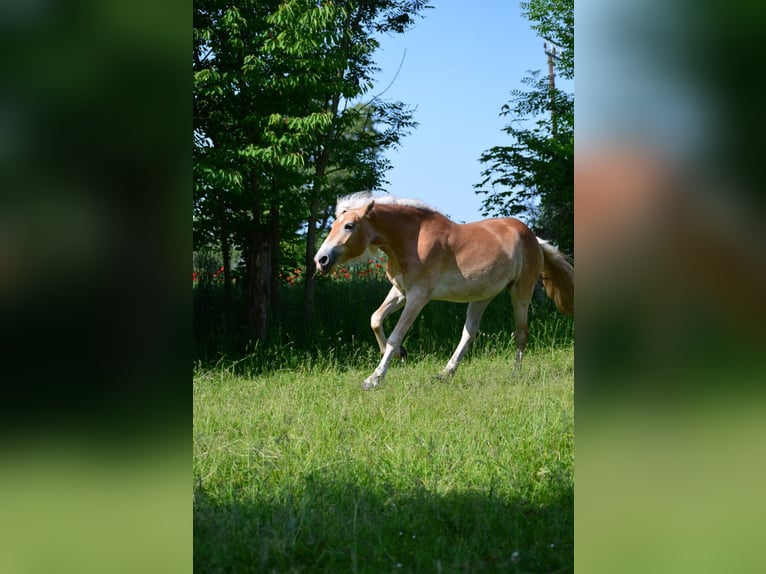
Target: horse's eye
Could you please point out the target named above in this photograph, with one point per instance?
(349, 226)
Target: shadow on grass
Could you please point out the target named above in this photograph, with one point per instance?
(328, 526)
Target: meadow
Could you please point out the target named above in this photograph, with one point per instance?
(298, 470)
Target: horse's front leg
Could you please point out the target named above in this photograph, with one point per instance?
(392, 303)
(415, 303)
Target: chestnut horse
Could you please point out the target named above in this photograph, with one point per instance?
(431, 257)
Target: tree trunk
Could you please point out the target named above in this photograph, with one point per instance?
(226, 311)
(311, 247)
(259, 283)
(274, 239)
(258, 270)
(331, 104)
(225, 243)
(320, 169)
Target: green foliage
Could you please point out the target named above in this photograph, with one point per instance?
(533, 177)
(554, 21)
(280, 128)
(272, 82)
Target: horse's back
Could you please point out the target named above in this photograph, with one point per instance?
(493, 240)
(484, 257)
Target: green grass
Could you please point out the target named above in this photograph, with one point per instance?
(298, 470)
(341, 334)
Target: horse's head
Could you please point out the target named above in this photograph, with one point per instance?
(349, 238)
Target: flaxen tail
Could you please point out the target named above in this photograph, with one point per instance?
(558, 277)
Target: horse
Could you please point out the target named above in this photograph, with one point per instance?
(430, 257)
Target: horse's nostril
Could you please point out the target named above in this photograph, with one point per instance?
(323, 260)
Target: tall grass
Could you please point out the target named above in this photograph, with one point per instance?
(341, 334)
(297, 470)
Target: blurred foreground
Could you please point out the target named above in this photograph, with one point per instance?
(670, 238)
(94, 179)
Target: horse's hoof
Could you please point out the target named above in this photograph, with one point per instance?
(402, 354)
(443, 375)
(370, 384)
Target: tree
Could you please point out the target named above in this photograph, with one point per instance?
(553, 20)
(534, 175)
(274, 83)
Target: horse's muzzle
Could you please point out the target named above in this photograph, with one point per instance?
(325, 261)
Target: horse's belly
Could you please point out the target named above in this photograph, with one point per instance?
(459, 289)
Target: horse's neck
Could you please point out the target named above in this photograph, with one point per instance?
(390, 228)
(396, 229)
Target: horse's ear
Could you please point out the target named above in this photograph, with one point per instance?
(369, 207)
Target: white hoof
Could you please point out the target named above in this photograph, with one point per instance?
(444, 374)
(370, 383)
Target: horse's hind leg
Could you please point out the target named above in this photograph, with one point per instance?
(472, 319)
(393, 302)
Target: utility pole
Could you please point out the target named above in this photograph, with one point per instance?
(552, 81)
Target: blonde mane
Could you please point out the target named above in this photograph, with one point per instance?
(362, 198)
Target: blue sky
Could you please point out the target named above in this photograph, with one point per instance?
(462, 61)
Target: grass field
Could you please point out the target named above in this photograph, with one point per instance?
(298, 470)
